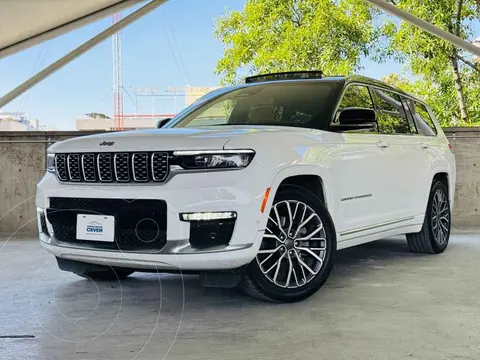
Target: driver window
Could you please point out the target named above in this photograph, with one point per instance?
(356, 96)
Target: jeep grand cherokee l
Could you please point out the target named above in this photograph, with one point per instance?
(255, 185)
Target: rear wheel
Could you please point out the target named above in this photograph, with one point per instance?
(297, 252)
(435, 233)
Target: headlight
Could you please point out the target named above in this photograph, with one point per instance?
(51, 162)
(221, 159)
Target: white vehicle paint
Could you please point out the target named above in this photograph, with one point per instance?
(373, 185)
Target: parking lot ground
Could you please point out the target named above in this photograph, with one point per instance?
(381, 302)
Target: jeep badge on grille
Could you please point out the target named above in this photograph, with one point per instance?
(107, 143)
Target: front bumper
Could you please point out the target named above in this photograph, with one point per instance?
(184, 193)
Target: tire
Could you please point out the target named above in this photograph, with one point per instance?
(288, 251)
(435, 233)
(106, 274)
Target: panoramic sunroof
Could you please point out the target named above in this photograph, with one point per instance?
(290, 75)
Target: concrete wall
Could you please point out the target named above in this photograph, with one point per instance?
(466, 146)
(22, 164)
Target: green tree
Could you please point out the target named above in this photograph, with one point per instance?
(442, 100)
(287, 35)
(434, 60)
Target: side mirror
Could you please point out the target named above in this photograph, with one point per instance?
(355, 119)
(161, 123)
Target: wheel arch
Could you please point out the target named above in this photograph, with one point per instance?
(443, 175)
(309, 177)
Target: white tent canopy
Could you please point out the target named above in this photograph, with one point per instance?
(25, 23)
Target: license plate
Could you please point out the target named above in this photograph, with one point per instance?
(95, 227)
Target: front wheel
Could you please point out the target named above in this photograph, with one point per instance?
(435, 233)
(297, 251)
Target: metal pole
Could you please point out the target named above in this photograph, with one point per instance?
(80, 50)
(422, 24)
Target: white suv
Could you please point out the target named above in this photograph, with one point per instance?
(256, 186)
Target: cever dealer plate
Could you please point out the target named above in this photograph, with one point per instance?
(95, 227)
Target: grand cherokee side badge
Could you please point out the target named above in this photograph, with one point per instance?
(107, 143)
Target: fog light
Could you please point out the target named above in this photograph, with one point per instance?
(208, 216)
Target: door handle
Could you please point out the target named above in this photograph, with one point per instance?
(423, 145)
(382, 144)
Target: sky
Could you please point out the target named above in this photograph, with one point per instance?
(173, 46)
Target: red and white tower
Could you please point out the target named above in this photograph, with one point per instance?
(117, 76)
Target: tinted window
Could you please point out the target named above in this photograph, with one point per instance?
(391, 115)
(356, 96)
(407, 105)
(300, 103)
(423, 119)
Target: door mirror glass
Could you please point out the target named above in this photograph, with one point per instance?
(353, 118)
(161, 123)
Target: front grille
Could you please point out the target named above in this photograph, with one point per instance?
(140, 225)
(112, 167)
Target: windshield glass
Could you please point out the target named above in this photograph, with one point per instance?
(297, 104)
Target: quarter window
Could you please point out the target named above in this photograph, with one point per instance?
(424, 120)
(391, 114)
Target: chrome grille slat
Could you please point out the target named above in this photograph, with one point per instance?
(107, 167)
(104, 167)
(140, 167)
(61, 167)
(88, 167)
(73, 166)
(121, 167)
(159, 166)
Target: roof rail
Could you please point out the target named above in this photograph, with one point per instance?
(288, 75)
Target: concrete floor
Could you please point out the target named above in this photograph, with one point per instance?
(381, 302)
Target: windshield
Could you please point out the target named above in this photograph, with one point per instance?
(298, 103)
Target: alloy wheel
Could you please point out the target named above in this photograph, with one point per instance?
(294, 246)
(440, 217)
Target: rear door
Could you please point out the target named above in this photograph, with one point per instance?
(432, 148)
(406, 158)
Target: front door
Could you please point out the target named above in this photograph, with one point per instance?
(359, 166)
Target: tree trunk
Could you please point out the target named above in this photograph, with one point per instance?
(458, 87)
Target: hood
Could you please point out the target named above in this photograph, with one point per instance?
(205, 138)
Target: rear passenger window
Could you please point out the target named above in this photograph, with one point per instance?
(423, 119)
(391, 114)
